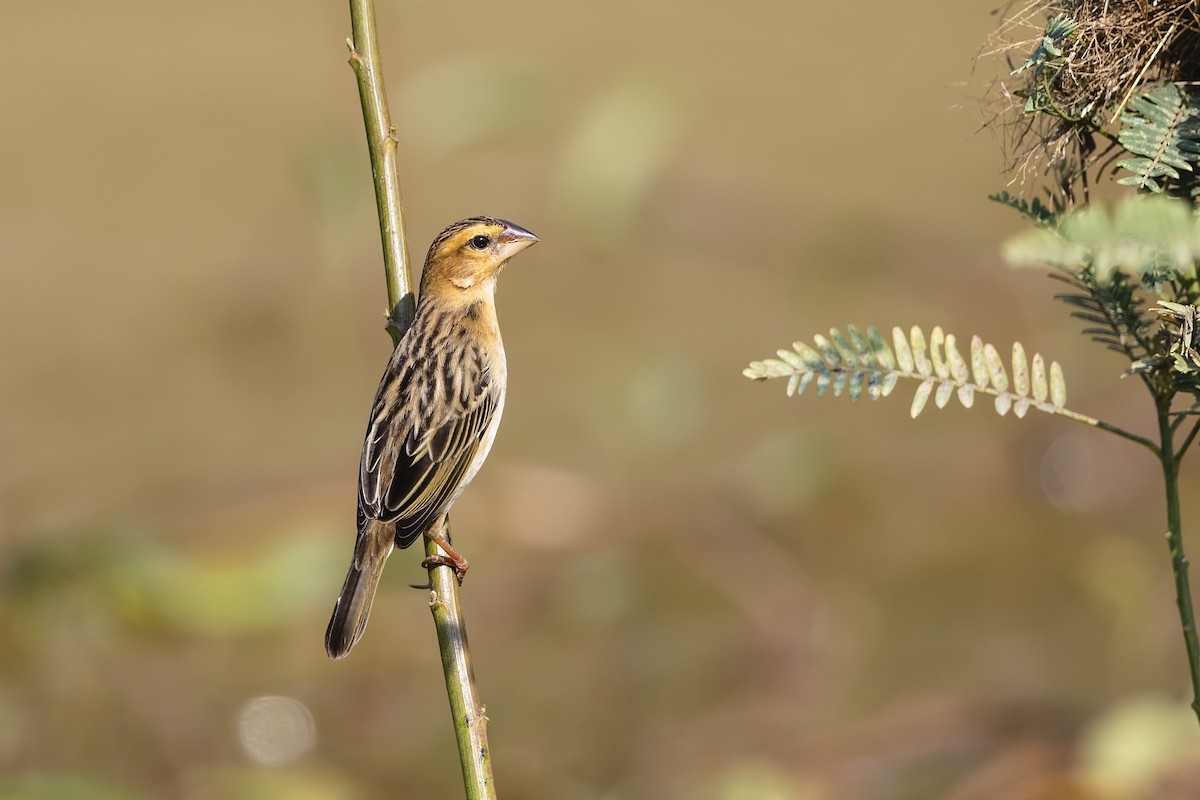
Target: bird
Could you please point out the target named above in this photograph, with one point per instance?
(435, 414)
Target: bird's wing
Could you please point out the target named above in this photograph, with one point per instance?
(430, 416)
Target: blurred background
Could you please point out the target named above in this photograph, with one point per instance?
(684, 584)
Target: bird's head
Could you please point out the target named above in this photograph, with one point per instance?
(471, 252)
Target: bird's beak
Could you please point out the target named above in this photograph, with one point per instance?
(513, 239)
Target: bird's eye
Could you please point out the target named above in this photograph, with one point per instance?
(480, 242)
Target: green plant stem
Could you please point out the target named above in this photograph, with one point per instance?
(470, 717)
(1066, 413)
(470, 722)
(1191, 437)
(381, 142)
(1179, 561)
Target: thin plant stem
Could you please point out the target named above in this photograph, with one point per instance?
(470, 721)
(381, 142)
(1191, 437)
(1063, 412)
(1066, 413)
(470, 717)
(1179, 561)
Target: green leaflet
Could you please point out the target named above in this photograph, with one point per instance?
(854, 363)
(1162, 131)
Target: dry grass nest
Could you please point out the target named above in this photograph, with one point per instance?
(1118, 46)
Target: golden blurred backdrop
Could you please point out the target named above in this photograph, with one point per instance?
(685, 584)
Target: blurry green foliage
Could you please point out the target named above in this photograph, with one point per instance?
(291, 783)
(61, 787)
(665, 403)
(1142, 234)
(145, 584)
(463, 101)
(781, 474)
(1127, 750)
(611, 160)
(760, 780)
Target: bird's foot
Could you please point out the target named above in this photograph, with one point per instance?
(452, 559)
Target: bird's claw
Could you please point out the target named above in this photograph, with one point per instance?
(451, 558)
(459, 565)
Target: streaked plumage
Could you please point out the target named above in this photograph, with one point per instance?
(435, 414)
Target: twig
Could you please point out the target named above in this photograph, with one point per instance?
(1183, 448)
(1105, 426)
(1179, 561)
(470, 722)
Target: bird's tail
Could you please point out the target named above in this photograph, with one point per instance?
(375, 543)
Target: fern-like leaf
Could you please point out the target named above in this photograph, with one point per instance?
(854, 363)
(1162, 131)
(1114, 312)
(1035, 209)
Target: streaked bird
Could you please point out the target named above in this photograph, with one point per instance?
(435, 414)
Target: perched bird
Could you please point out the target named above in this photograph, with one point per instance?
(435, 414)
